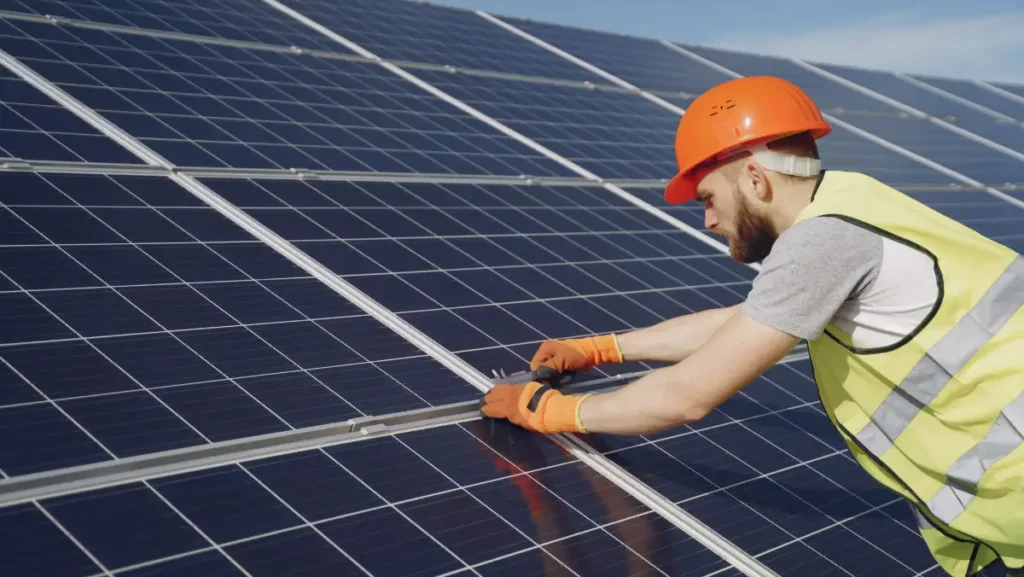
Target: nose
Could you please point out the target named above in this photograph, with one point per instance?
(710, 220)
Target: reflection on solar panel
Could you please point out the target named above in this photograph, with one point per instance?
(235, 251)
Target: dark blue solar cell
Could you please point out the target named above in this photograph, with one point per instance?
(193, 263)
(44, 268)
(386, 543)
(157, 360)
(465, 526)
(208, 563)
(97, 312)
(666, 547)
(38, 438)
(177, 307)
(249, 302)
(299, 399)
(221, 410)
(373, 390)
(226, 503)
(23, 320)
(373, 461)
(132, 424)
(125, 525)
(524, 503)
(33, 545)
(314, 485)
(301, 552)
(307, 345)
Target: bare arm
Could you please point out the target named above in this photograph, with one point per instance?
(674, 339)
(686, 392)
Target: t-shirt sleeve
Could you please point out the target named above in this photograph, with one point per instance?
(813, 268)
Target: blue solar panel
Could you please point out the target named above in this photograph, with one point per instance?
(614, 134)
(978, 95)
(1017, 89)
(34, 127)
(128, 296)
(240, 20)
(420, 32)
(643, 62)
(490, 271)
(204, 105)
(978, 122)
(134, 318)
(488, 496)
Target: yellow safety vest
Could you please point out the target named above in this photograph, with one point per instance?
(937, 417)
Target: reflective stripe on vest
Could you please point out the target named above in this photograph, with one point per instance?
(933, 372)
(1006, 434)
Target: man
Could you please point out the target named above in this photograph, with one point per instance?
(914, 324)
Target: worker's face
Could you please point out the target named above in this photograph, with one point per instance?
(730, 213)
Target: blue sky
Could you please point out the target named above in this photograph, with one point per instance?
(983, 40)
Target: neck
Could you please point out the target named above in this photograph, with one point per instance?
(791, 198)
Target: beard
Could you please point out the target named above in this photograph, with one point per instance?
(755, 235)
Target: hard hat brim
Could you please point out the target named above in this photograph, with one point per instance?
(680, 189)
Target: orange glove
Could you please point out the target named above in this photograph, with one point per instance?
(535, 407)
(577, 354)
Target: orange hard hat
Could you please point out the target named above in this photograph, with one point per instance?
(739, 114)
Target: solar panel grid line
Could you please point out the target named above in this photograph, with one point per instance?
(73, 539)
(497, 125)
(291, 49)
(1000, 91)
(485, 298)
(956, 98)
(48, 484)
(871, 136)
(237, 322)
(85, 113)
(798, 463)
(171, 35)
(456, 488)
(910, 110)
(578, 61)
(203, 534)
(252, 226)
(72, 329)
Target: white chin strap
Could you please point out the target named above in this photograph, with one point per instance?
(786, 163)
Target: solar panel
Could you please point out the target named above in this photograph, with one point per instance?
(128, 296)
(147, 318)
(420, 32)
(206, 105)
(34, 126)
(976, 93)
(977, 121)
(490, 496)
(227, 19)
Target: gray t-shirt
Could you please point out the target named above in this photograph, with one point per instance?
(814, 267)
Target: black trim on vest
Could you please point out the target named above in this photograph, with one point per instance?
(927, 319)
(535, 399)
(817, 183)
(970, 562)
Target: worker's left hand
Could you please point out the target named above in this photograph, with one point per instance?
(533, 406)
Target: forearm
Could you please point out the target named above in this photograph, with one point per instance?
(653, 403)
(674, 339)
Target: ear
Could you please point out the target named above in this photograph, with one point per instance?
(755, 179)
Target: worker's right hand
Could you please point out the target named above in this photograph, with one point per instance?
(577, 354)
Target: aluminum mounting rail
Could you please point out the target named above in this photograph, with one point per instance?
(59, 482)
(97, 475)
